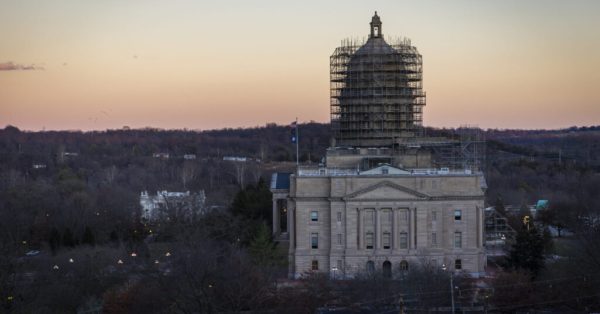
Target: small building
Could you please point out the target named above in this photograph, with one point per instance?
(172, 205)
(235, 158)
(189, 156)
(161, 155)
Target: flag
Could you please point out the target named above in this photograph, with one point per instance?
(294, 134)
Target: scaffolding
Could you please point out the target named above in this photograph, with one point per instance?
(464, 150)
(376, 90)
(377, 100)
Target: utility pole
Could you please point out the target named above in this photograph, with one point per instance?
(451, 284)
(452, 290)
(401, 304)
(297, 141)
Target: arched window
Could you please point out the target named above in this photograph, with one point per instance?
(404, 265)
(387, 269)
(370, 267)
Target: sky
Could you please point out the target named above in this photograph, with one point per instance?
(93, 65)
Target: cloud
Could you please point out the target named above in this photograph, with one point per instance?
(10, 66)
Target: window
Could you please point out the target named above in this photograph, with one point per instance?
(339, 264)
(339, 216)
(315, 265)
(385, 170)
(314, 240)
(433, 216)
(404, 266)
(457, 214)
(458, 239)
(404, 214)
(314, 215)
(403, 240)
(434, 263)
(369, 240)
(386, 240)
(370, 267)
(457, 264)
(433, 239)
(339, 239)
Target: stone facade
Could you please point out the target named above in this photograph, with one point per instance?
(435, 218)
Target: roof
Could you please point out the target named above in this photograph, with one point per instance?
(375, 46)
(385, 169)
(280, 181)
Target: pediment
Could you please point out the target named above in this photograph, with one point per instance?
(385, 170)
(386, 190)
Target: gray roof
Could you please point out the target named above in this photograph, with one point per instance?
(280, 181)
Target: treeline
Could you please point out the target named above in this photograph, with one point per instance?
(75, 196)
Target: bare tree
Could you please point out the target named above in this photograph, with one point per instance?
(188, 172)
(110, 174)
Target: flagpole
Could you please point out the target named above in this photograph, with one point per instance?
(297, 141)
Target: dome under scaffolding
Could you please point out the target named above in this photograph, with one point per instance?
(376, 90)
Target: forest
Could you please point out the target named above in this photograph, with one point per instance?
(71, 239)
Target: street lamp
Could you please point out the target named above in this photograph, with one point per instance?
(451, 285)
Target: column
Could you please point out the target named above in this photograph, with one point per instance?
(275, 218)
(359, 227)
(395, 229)
(415, 231)
(377, 228)
(411, 228)
(480, 223)
(345, 223)
(291, 214)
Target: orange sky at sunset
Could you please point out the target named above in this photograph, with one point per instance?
(69, 64)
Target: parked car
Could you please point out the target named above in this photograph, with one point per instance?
(32, 253)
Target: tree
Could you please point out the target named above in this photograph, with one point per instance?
(114, 237)
(188, 172)
(500, 206)
(262, 248)
(254, 202)
(68, 238)
(559, 215)
(527, 253)
(88, 237)
(54, 240)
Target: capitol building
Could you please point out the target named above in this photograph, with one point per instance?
(387, 197)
